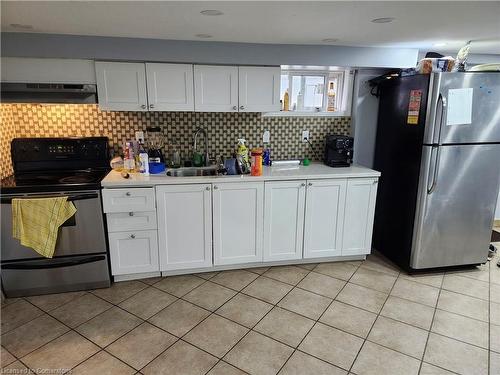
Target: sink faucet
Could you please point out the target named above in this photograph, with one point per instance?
(198, 131)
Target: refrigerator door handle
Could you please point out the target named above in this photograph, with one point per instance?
(441, 100)
(433, 169)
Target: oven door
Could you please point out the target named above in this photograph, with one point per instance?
(81, 234)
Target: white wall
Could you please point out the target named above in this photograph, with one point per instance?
(136, 49)
(497, 212)
(364, 117)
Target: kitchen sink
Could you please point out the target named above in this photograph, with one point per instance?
(193, 171)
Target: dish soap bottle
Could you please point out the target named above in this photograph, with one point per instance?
(331, 99)
(286, 101)
(242, 156)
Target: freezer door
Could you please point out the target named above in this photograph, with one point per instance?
(464, 108)
(457, 194)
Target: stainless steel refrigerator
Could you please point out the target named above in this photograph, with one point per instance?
(438, 148)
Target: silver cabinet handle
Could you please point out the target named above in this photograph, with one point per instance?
(310, 184)
(207, 188)
(235, 108)
(375, 181)
(303, 184)
(151, 106)
(143, 106)
(242, 107)
(127, 193)
(215, 187)
(130, 214)
(132, 236)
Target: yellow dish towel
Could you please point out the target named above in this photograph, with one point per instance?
(36, 222)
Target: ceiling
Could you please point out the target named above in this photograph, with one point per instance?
(416, 24)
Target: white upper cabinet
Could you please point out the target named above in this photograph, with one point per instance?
(325, 204)
(359, 213)
(184, 226)
(238, 219)
(259, 89)
(215, 88)
(284, 219)
(121, 86)
(170, 87)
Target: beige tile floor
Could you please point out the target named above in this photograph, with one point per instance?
(359, 318)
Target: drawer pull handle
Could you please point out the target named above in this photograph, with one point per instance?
(242, 107)
(132, 236)
(127, 193)
(235, 108)
(143, 106)
(207, 188)
(215, 187)
(130, 214)
(310, 184)
(375, 181)
(303, 184)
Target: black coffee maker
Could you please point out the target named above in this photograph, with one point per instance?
(338, 150)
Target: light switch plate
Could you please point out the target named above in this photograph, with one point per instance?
(139, 136)
(305, 135)
(266, 136)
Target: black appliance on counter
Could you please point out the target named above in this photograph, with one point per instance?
(338, 150)
(48, 167)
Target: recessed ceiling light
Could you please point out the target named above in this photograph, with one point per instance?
(21, 26)
(383, 20)
(330, 40)
(203, 36)
(440, 44)
(211, 12)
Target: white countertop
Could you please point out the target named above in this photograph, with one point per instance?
(313, 171)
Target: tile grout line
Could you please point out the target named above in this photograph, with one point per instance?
(251, 329)
(373, 324)
(432, 323)
(307, 333)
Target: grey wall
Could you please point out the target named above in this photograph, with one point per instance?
(364, 117)
(135, 49)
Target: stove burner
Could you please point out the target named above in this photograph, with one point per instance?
(78, 179)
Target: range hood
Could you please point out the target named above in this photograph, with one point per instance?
(48, 93)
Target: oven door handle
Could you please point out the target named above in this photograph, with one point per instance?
(77, 197)
(57, 264)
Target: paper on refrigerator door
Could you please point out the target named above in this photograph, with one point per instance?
(459, 110)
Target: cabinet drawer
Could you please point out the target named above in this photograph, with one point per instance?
(123, 221)
(133, 252)
(128, 200)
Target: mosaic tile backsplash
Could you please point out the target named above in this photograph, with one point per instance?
(224, 129)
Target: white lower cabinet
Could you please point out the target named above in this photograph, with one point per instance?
(133, 252)
(284, 219)
(238, 222)
(184, 226)
(325, 203)
(358, 218)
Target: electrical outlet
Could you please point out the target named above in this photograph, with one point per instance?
(266, 136)
(305, 135)
(139, 136)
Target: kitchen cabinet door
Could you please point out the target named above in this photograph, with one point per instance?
(215, 88)
(170, 87)
(284, 204)
(133, 252)
(325, 201)
(121, 86)
(359, 212)
(259, 89)
(184, 226)
(238, 222)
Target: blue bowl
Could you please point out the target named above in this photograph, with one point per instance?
(155, 168)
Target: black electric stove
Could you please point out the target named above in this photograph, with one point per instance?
(52, 167)
(57, 164)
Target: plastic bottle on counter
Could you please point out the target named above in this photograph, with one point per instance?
(143, 161)
(256, 162)
(242, 156)
(128, 157)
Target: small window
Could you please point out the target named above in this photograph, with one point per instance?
(315, 91)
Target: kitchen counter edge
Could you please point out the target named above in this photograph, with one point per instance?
(313, 171)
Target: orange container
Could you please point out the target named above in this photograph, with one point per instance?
(256, 155)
